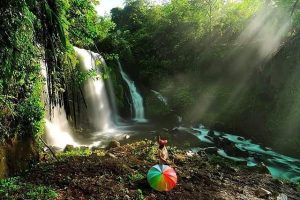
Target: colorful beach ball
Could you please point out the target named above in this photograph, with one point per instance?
(162, 177)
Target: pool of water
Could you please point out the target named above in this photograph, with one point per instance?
(280, 166)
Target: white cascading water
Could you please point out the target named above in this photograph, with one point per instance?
(112, 97)
(160, 97)
(98, 107)
(58, 130)
(137, 99)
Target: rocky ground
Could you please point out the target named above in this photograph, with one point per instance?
(120, 173)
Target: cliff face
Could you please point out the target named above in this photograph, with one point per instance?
(16, 155)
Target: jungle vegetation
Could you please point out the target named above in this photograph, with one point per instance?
(232, 65)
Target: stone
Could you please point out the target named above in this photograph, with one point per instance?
(262, 168)
(69, 147)
(127, 137)
(83, 148)
(282, 197)
(211, 133)
(113, 144)
(110, 155)
(230, 148)
(262, 193)
(174, 130)
(190, 154)
(210, 150)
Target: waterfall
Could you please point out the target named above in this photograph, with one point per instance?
(160, 97)
(137, 99)
(58, 130)
(112, 97)
(95, 118)
(98, 113)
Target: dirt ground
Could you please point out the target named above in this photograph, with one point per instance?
(120, 173)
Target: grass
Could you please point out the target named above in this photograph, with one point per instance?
(14, 188)
(75, 151)
(136, 177)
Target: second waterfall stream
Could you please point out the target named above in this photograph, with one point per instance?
(136, 97)
(95, 116)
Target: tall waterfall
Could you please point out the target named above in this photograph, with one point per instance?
(137, 99)
(97, 116)
(99, 113)
(111, 96)
(58, 130)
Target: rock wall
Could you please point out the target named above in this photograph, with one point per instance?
(16, 155)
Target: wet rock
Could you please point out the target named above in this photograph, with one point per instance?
(175, 130)
(83, 148)
(126, 137)
(210, 150)
(211, 133)
(262, 193)
(113, 144)
(230, 148)
(263, 168)
(240, 138)
(282, 197)
(257, 158)
(69, 148)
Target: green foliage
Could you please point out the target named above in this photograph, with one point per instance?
(14, 188)
(31, 112)
(190, 50)
(140, 194)
(136, 177)
(85, 26)
(78, 151)
(32, 31)
(20, 84)
(159, 40)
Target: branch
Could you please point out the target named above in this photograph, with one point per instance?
(53, 154)
(294, 7)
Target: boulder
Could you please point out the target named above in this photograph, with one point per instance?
(262, 168)
(211, 133)
(126, 137)
(83, 148)
(210, 150)
(69, 147)
(282, 197)
(110, 155)
(230, 148)
(113, 144)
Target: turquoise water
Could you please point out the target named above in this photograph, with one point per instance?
(279, 166)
